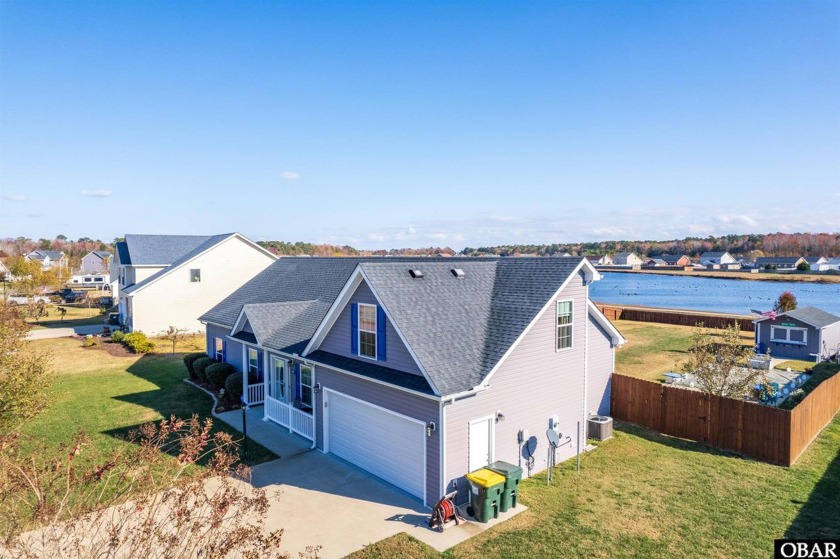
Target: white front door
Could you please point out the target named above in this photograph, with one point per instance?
(481, 443)
(277, 383)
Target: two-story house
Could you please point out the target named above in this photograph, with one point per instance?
(171, 280)
(97, 262)
(422, 370)
(49, 259)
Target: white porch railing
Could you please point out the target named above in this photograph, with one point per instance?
(256, 394)
(296, 420)
(302, 423)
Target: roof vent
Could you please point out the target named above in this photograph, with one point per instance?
(458, 273)
(416, 274)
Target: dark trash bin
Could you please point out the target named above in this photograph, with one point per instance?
(485, 493)
(513, 477)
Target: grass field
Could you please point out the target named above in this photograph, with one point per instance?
(644, 495)
(653, 349)
(76, 316)
(105, 396)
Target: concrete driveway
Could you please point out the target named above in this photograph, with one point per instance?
(64, 332)
(318, 499)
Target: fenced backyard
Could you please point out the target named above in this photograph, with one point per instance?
(763, 432)
(678, 317)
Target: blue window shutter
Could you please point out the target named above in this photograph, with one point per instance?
(224, 350)
(260, 365)
(380, 334)
(296, 373)
(354, 328)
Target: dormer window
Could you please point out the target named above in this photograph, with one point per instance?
(195, 275)
(367, 331)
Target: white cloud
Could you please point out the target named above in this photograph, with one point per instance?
(15, 197)
(97, 193)
(289, 175)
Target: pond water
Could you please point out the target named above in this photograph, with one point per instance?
(709, 294)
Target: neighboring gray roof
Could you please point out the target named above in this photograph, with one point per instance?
(707, 255)
(671, 258)
(624, 254)
(814, 259)
(122, 252)
(103, 254)
(458, 328)
(42, 254)
(814, 316)
(209, 242)
(778, 259)
(161, 250)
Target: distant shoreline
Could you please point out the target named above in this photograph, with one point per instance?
(718, 274)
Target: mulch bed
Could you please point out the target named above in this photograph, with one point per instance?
(113, 348)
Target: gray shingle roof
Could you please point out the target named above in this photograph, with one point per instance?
(410, 381)
(777, 259)
(201, 247)
(122, 252)
(161, 250)
(814, 316)
(458, 328)
(102, 253)
(42, 254)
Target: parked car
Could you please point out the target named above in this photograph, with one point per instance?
(69, 296)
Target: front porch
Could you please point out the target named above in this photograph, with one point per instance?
(283, 444)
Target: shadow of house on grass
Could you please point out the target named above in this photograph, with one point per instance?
(169, 395)
(819, 517)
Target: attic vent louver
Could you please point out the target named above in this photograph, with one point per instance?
(458, 273)
(416, 274)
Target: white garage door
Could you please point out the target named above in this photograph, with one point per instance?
(385, 444)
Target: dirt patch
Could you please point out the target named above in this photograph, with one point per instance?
(113, 348)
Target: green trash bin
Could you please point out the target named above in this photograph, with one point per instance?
(513, 476)
(485, 493)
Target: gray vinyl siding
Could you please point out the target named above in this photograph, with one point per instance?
(417, 407)
(233, 349)
(93, 263)
(534, 383)
(337, 341)
(599, 370)
(791, 351)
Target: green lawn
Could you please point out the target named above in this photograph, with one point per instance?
(77, 315)
(105, 396)
(794, 365)
(645, 495)
(653, 349)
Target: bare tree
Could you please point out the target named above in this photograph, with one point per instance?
(174, 334)
(720, 363)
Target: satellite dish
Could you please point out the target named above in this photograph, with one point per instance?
(553, 437)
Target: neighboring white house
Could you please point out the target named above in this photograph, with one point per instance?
(171, 280)
(830, 264)
(717, 260)
(627, 259)
(49, 259)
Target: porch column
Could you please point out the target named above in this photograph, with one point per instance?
(245, 375)
(269, 372)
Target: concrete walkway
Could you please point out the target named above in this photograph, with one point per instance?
(64, 332)
(318, 499)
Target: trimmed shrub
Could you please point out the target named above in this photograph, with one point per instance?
(217, 374)
(138, 342)
(117, 336)
(191, 358)
(233, 386)
(90, 341)
(199, 366)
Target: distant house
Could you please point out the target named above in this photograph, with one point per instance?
(675, 259)
(627, 259)
(817, 263)
(597, 260)
(48, 259)
(716, 259)
(830, 264)
(656, 263)
(803, 334)
(171, 280)
(779, 262)
(96, 262)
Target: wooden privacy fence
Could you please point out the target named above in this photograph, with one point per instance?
(683, 318)
(763, 432)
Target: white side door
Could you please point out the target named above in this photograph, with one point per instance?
(481, 442)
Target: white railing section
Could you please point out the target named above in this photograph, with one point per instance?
(302, 423)
(277, 411)
(256, 394)
(289, 416)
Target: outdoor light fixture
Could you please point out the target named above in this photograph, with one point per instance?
(317, 387)
(430, 428)
(499, 416)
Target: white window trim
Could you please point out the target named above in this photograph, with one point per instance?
(248, 350)
(310, 386)
(219, 353)
(273, 360)
(571, 326)
(375, 336)
(787, 330)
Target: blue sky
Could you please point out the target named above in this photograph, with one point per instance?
(397, 124)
